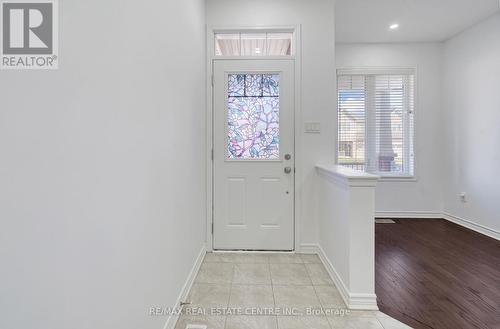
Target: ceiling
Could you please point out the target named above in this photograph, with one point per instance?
(419, 20)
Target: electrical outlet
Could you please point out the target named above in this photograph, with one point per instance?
(463, 197)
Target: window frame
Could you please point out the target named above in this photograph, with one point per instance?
(254, 30)
(406, 70)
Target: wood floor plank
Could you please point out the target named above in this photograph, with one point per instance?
(433, 274)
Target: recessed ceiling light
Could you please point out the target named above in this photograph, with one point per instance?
(394, 26)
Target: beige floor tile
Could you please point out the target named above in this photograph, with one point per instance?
(379, 314)
(248, 296)
(310, 258)
(289, 274)
(251, 322)
(329, 297)
(285, 258)
(390, 323)
(299, 298)
(302, 322)
(299, 282)
(363, 314)
(215, 273)
(218, 257)
(251, 258)
(349, 322)
(212, 322)
(318, 274)
(207, 295)
(252, 274)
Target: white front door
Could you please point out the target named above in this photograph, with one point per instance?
(253, 154)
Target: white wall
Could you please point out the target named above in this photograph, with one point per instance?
(316, 18)
(101, 207)
(423, 195)
(346, 203)
(472, 131)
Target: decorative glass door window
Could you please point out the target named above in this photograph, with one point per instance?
(253, 117)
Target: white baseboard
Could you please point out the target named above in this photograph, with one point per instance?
(308, 248)
(337, 280)
(172, 319)
(473, 226)
(353, 301)
(444, 215)
(409, 214)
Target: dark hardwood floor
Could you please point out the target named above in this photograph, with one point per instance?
(436, 274)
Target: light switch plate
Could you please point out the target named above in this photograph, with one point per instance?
(312, 127)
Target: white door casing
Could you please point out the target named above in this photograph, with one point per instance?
(253, 176)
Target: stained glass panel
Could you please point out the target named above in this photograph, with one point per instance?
(253, 116)
(253, 84)
(236, 85)
(270, 85)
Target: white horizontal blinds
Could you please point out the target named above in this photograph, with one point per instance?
(351, 121)
(227, 44)
(279, 44)
(409, 122)
(388, 105)
(253, 44)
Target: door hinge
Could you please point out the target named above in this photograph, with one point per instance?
(212, 79)
(212, 154)
(212, 228)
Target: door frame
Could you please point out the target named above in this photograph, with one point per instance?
(209, 114)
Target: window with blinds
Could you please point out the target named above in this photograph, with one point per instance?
(375, 121)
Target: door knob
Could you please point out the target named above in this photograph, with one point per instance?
(288, 156)
(288, 170)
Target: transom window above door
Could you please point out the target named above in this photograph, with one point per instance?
(376, 121)
(253, 44)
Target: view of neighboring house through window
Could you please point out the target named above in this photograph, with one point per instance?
(375, 122)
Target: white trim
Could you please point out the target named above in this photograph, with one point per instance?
(174, 317)
(409, 214)
(337, 280)
(297, 41)
(209, 138)
(377, 70)
(353, 301)
(363, 302)
(245, 252)
(225, 58)
(492, 233)
(346, 176)
(253, 29)
(210, 55)
(473, 226)
(308, 248)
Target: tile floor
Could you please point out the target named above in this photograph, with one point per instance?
(271, 291)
